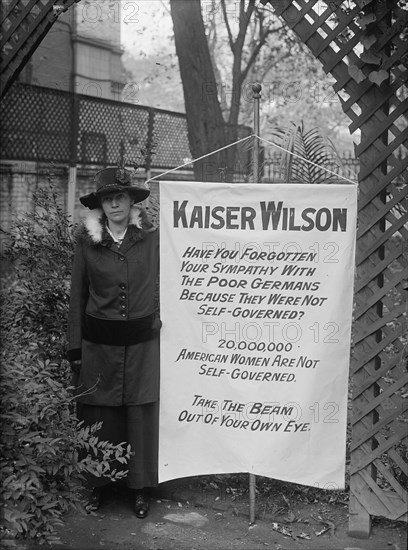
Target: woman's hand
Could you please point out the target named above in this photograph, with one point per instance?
(157, 325)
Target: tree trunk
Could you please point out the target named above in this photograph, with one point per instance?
(205, 123)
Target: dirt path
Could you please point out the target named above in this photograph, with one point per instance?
(190, 518)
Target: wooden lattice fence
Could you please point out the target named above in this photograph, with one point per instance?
(363, 44)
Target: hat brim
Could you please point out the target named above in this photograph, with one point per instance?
(93, 200)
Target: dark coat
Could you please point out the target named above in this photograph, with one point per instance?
(111, 317)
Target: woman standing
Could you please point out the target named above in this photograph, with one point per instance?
(112, 331)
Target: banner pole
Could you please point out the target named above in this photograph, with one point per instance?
(256, 89)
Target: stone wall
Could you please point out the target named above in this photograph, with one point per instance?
(19, 180)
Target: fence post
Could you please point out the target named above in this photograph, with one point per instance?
(74, 153)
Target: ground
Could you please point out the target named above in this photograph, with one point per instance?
(207, 513)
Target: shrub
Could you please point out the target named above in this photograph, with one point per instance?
(42, 463)
(40, 247)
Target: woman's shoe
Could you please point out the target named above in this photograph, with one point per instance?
(95, 499)
(141, 506)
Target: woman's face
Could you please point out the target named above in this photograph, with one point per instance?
(117, 207)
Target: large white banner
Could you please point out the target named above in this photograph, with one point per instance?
(256, 303)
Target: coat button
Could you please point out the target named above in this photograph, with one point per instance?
(122, 286)
(123, 314)
(122, 295)
(123, 306)
(121, 258)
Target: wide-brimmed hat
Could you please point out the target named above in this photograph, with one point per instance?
(114, 180)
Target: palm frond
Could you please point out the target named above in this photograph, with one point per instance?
(307, 155)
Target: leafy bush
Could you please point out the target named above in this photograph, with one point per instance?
(40, 247)
(44, 452)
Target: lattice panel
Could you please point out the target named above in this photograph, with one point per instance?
(35, 125)
(38, 124)
(364, 45)
(170, 139)
(24, 23)
(124, 127)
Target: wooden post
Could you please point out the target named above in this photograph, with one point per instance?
(256, 88)
(72, 178)
(360, 510)
(148, 146)
(73, 161)
(71, 190)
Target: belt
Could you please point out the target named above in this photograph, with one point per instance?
(118, 333)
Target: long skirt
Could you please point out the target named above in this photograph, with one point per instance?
(136, 425)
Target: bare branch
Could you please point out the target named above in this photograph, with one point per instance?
(256, 50)
(246, 15)
(244, 20)
(227, 24)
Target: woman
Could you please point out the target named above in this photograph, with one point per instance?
(112, 334)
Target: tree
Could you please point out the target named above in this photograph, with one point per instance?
(203, 91)
(254, 28)
(205, 123)
(246, 43)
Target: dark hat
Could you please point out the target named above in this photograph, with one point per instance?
(113, 180)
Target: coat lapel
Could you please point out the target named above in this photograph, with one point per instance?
(95, 227)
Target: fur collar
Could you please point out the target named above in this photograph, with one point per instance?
(94, 225)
